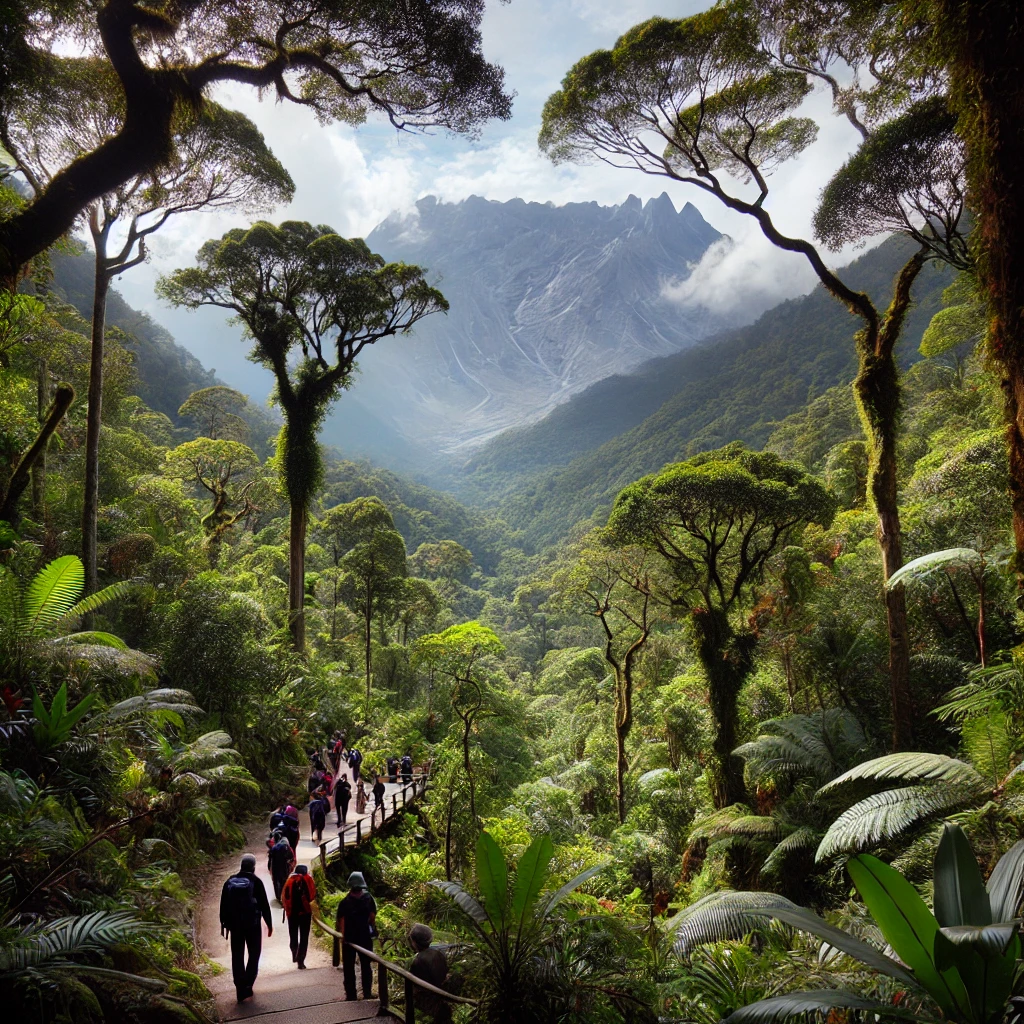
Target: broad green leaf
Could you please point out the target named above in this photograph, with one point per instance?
(52, 593)
(96, 637)
(531, 874)
(986, 960)
(909, 927)
(79, 711)
(1005, 882)
(39, 711)
(960, 896)
(59, 705)
(492, 878)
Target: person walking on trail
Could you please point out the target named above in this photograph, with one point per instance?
(280, 859)
(407, 768)
(356, 920)
(378, 797)
(243, 901)
(355, 760)
(336, 748)
(297, 898)
(360, 797)
(318, 808)
(290, 825)
(429, 965)
(342, 796)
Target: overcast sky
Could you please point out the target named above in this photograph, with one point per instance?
(353, 178)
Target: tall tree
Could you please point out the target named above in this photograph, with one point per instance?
(365, 545)
(979, 46)
(218, 158)
(419, 63)
(619, 586)
(216, 412)
(711, 101)
(716, 519)
(311, 301)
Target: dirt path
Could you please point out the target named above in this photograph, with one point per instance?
(276, 958)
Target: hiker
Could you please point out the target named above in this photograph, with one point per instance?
(280, 859)
(328, 782)
(431, 966)
(407, 768)
(356, 919)
(336, 747)
(297, 899)
(392, 769)
(316, 780)
(318, 808)
(342, 795)
(243, 901)
(355, 759)
(290, 825)
(277, 818)
(378, 796)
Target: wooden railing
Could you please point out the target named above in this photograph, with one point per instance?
(384, 967)
(412, 790)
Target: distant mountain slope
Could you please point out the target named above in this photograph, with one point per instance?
(736, 387)
(168, 373)
(545, 300)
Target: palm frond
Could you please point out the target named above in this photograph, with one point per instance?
(94, 637)
(921, 568)
(887, 814)
(67, 937)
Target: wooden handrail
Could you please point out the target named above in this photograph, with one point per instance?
(393, 967)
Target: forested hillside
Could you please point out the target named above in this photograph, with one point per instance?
(700, 701)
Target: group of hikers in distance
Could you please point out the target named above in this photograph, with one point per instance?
(244, 903)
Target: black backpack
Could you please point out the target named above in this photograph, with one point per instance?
(240, 907)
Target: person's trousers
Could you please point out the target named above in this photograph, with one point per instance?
(348, 963)
(279, 881)
(298, 935)
(244, 973)
(341, 806)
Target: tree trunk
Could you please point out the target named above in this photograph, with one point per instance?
(984, 42)
(94, 410)
(878, 393)
(621, 733)
(297, 574)
(39, 469)
(727, 659)
(62, 399)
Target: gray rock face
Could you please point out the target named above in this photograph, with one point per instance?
(545, 301)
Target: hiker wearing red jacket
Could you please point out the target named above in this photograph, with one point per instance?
(297, 898)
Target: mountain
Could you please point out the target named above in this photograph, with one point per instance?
(545, 301)
(737, 386)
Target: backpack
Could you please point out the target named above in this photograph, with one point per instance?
(296, 896)
(240, 907)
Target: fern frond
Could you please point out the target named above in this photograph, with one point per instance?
(721, 916)
(51, 593)
(909, 767)
(921, 568)
(802, 839)
(94, 637)
(887, 814)
(93, 603)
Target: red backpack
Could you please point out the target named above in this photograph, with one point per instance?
(297, 896)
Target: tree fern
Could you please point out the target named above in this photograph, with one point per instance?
(721, 916)
(909, 767)
(51, 594)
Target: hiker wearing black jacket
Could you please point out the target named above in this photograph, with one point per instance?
(342, 796)
(243, 901)
(281, 858)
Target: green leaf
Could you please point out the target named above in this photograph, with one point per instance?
(96, 637)
(909, 927)
(464, 901)
(79, 711)
(916, 766)
(1005, 883)
(806, 921)
(51, 594)
(531, 874)
(574, 883)
(793, 1004)
(59, 704)
(960, 895)
(919, 568)
(492, 878)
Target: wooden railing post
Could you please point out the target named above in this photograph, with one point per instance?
(394, 804)
(410, 1002)
(359, 831)
(382, 986)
